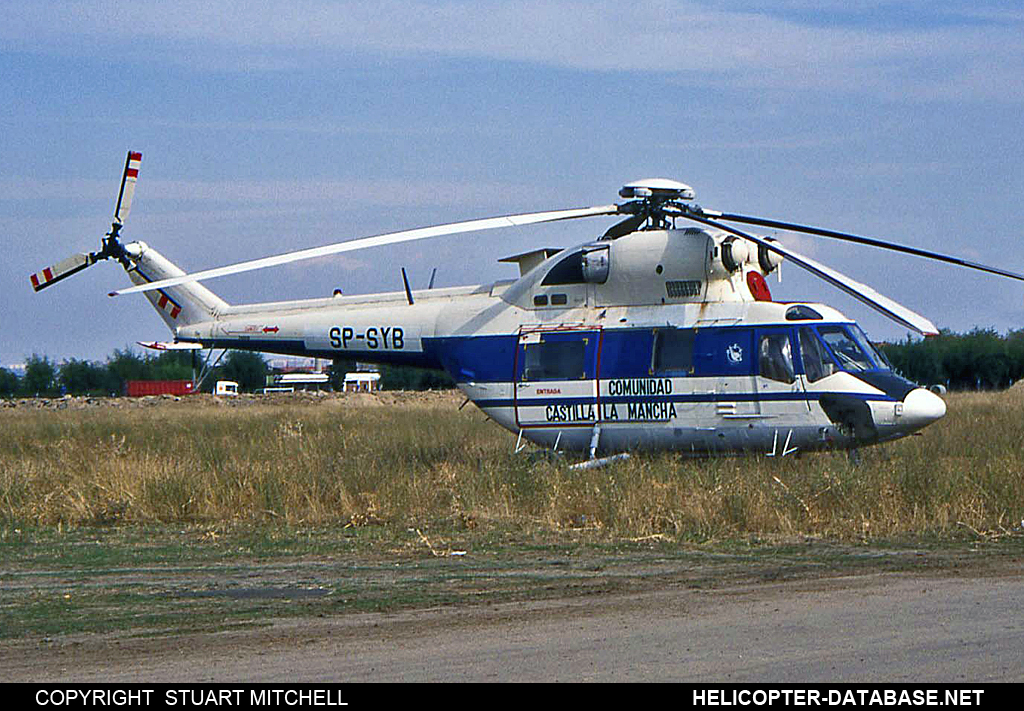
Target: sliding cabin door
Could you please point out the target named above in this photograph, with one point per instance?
(556, 377)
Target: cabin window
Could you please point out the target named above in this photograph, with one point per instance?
(554, 360)
(850, 355)
(817, 363)
(559, 299)
(567, 271)
(540, 300)
(673, 350)
(775, 356)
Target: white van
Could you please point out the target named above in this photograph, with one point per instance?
(226, 387)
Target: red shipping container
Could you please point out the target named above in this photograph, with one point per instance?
(138, 388)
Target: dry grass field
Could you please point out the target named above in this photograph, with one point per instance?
(151, 517)
(416, 461)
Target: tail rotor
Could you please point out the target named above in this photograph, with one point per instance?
(111, 247)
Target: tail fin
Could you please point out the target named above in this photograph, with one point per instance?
(179, 305)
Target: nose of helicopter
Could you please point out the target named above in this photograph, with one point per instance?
(920, 408)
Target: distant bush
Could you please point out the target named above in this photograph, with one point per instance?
(395, 377)
(82, 377)
(9, 383)
(400, 377)
(40, 376)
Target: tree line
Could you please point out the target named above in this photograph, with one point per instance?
(979, 360)
(45, 378)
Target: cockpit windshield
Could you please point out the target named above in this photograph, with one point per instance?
(876, 355)
(817, 363)
(851, 348)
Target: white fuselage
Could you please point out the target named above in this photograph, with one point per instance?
(653, 344)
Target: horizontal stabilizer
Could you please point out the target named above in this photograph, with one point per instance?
(60, 270)
(170, 345)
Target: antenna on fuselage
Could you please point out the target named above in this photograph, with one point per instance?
(408, 291)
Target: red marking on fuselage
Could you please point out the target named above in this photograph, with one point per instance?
(758, 287)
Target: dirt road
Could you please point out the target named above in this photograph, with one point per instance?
(878, 627)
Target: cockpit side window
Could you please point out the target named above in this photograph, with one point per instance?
(847, 351)
(817, 363)
(775, 358)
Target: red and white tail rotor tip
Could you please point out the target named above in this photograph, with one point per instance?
(128, 180)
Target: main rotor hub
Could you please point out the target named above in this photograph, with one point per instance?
(651, 201)
(657, 190)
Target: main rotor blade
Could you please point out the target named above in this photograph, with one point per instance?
(489, 223)
(822, 232)
(883, 304)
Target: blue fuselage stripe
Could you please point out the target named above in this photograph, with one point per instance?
(627, 354)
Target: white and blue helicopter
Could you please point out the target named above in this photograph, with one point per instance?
(659, 335)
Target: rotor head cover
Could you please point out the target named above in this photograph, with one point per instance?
(657, 189)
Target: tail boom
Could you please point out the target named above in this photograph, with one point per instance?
(178, 305)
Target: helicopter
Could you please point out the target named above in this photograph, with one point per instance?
(661, 334)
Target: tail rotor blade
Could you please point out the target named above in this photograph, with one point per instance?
(60, 270)
(128, 180)
(111, 246)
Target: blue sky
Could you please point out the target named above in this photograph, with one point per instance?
(273, 126)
